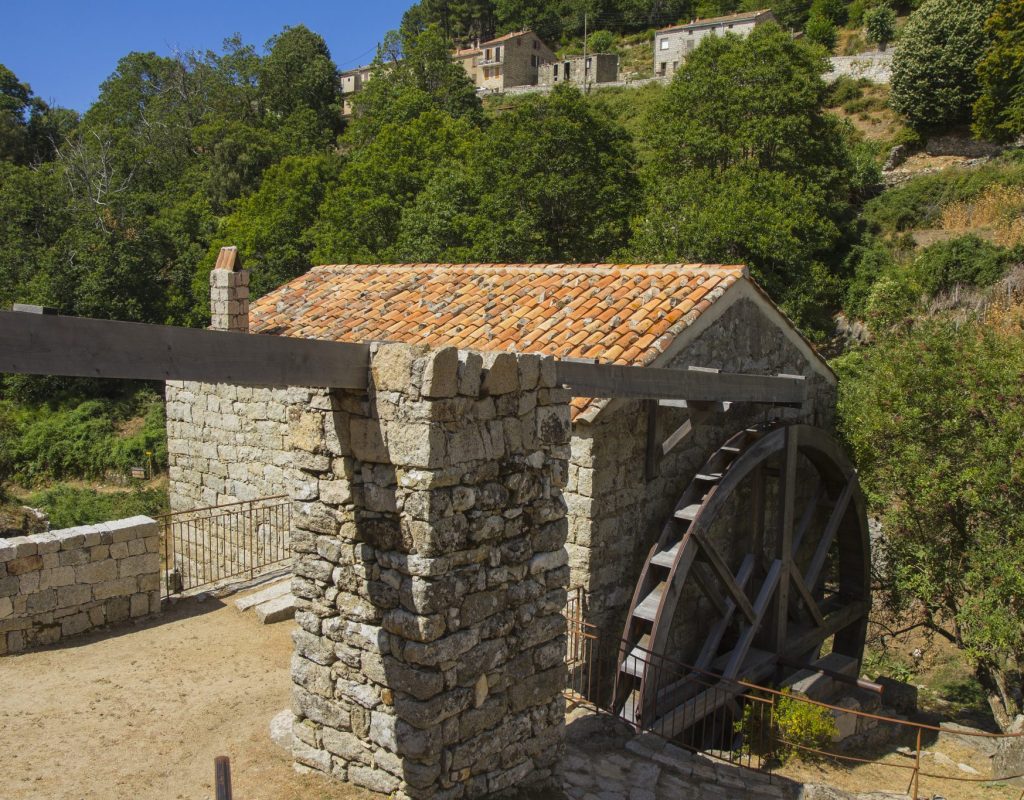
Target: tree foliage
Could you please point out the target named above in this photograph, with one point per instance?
(999, 110)
(551, 180)
(935, 418)
(934, 78)
(746, 167)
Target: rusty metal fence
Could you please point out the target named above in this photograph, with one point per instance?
(768, 730)
(203, 547)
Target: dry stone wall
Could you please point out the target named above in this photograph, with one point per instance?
(61, 583)
(429, 530)
(226, 443)
(615, 514)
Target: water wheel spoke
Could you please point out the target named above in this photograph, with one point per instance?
(724, 575)
(831, 528)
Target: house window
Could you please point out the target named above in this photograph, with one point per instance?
(689, 47)
(497, 54)
(664, 44)
(588, 63)
(675, 66)
(536, 45)
(664, 67)
(554, 72)
(730, 27)
(487, 54)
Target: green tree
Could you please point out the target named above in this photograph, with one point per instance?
(412, 73)
(29, 128)
(298, 74)
(745, 164)
(358, 220)
(964, 261)
(935, 419)
(880, 25)
(551, 180)
(269, 227)
(934, 78)
(999, 110)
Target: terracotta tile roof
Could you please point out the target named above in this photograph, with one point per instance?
(505, 37)
(741, 16)
(623, 314)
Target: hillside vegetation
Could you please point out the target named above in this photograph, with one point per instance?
(747, 156)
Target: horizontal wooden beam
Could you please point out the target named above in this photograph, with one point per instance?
(94, 348)
(43, 344)
(655, 383)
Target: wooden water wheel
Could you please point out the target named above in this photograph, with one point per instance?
(792, 575)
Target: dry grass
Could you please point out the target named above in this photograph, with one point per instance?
(999, 209)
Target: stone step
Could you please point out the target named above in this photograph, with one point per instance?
(271, 592)
(276, 609)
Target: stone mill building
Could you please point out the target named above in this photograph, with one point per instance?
(230, 443)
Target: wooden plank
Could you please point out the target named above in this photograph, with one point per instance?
(680, 434)
(764, 597)
(653, 453)
(809, 601)
(850, 612)
(653, 383)
(57, 345)
(786, 535)
(829, 535)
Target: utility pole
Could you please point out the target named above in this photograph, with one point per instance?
(586, 87)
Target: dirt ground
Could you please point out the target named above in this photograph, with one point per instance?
(141, 712)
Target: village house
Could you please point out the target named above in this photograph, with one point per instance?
(673, 45)
(507, 61)
(581, 70)
(353, 81)
(228, 443)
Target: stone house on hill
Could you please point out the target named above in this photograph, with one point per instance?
(230, 443)
(673, 45)
(506, 61)
(594, 68)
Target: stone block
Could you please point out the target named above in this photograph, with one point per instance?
(138, 605)
(441, 373)
(24, 564)
(116, 609)
(76, 624)
(121, 587)
(74, 595)
(391, 367)
(142, 564)
(502, 374)
(96, 572)
(470, 366)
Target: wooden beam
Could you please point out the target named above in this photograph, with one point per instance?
(653, 453)
(786, 517)
(654, 383)
(94, 348)
(829, 534)
(725, 577)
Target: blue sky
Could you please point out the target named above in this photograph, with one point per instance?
(65, 49)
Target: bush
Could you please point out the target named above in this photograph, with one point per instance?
(83, 439)
(934, 79)
(68, 506)
(845, 89)
(964, 261)
(880, 25)
(793, 725)
(602, 42)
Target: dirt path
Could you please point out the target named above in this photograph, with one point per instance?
(142, 712)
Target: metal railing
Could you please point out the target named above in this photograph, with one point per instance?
(203, 547)
(761, 728)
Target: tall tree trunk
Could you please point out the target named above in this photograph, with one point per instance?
(1004, 706)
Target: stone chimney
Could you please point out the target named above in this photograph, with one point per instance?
(229, 293)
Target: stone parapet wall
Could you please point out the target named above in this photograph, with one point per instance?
(226, 443)
(429, 532)
(61, 583)
(875, 66)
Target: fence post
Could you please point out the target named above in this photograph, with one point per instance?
(917, 766)
(222, 777)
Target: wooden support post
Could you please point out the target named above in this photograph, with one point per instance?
(653, 454)
(787, 499)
